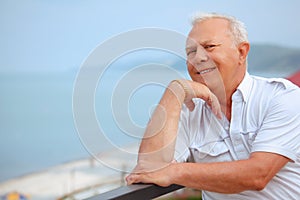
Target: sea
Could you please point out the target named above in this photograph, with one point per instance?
(37, 125)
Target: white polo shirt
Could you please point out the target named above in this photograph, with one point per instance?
(265, 117)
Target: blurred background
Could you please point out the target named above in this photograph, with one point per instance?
(43, 43)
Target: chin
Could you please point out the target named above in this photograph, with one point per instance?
(198, 79)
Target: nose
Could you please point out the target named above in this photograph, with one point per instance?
(199, 58)
(201, 55)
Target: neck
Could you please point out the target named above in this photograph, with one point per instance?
(224, 95)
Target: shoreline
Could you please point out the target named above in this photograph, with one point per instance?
(24, 174)
(82, 178)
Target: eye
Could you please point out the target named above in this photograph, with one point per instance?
(191, 51)
(209, 46)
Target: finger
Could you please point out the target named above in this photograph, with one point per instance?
(138, 178)
(190, 105)
(128, 179)
(215, 106)
(217, 110)
(132, 178)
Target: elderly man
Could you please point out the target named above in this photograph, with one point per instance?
(235, 136)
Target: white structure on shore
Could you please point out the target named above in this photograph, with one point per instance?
(75, 180)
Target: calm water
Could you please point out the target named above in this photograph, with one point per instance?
(37, 129)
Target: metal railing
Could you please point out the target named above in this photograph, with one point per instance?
(136, 191)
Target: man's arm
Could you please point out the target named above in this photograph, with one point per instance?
(223, 177)
(157, 147)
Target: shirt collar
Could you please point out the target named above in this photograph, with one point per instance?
(245, 87)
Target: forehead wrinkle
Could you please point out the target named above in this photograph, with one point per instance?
(203, 43)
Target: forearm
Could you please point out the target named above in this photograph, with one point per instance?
(160, 136)
(216, 177)
(158, 144)
(229, 177)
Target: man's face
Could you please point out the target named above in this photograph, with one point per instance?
(212, 54)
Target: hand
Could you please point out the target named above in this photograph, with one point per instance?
(194, 89)
(161, 177)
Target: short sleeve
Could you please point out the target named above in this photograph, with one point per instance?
(280, 130)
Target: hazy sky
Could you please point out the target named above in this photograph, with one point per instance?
(58, 34)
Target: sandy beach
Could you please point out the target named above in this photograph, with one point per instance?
(75, 180)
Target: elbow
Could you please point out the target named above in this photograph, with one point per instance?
(259, 184)
(260, 179)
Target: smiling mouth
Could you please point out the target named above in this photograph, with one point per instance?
(206, 70)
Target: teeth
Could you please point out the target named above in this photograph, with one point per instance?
(205, 71)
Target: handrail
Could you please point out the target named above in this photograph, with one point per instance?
(136, 191)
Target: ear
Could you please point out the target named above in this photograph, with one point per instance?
(243, 48)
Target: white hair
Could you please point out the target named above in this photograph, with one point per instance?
(237, 28)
